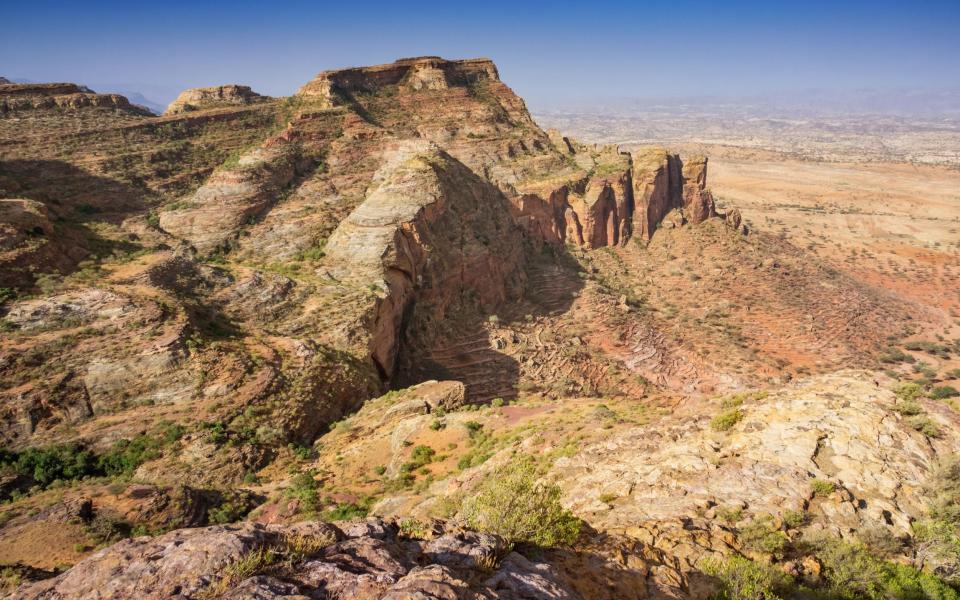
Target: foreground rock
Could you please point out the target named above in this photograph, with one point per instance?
(360, 559)
(840, 428)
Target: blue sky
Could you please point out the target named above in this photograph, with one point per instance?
(552, 53)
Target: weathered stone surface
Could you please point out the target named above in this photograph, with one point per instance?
(428, 72)
(349, 562)
(838, 428)
(46, 96)
(429, 232)
(232, 197)
(662, 182)
(213, 97)
(29, 240)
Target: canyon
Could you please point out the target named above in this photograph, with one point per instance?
(272, 346)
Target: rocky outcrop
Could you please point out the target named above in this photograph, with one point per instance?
(662, 182)
(30, 241)
(233, 196)
(421, 73)
(838, 428)
(40, 96)
(214, 97)
(608, 204)
(428, 237)
(365, 559)
(698, 205)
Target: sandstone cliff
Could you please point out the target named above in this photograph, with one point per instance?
(252, 292)
(213, 97)
(40, 96)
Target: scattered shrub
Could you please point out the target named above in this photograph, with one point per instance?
(421, 456)
(760, 535)
(743, 579)
(303, 488)
(726, 420)
(126, 455)
(106, 529)
(908, 408)
(938, 535)
(473, 428)
(822, 487)
(514, 504)
(880, 541)
(346, 511)
(908, 392)
(924, 425)
(730, 514)
(942, 392)
(794, 518)
(414, 529)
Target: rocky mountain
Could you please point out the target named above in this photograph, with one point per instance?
(393, 294)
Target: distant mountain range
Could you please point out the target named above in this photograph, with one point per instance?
(154, 98)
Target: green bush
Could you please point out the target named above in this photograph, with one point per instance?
(473, 428)
(942, 392)
(303, 488)
(345, 512)
(822, 487)
(760, 535)
(126, 455)
(908, 392)
(742, 579)
(61, 462)
(852, 573)
(225, 513)
(924, 425)
(514, 504)
(903, 581)
(726, 420)
(106, 529)
(420, 457)
(794, 518)
(938, 535)
(908, 408)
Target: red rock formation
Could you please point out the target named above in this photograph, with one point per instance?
(37, 96)
(426, 72)
(662, 182)
(213, 97)
(431, 235)
(698, 205)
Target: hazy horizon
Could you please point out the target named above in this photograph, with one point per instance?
(553, 55)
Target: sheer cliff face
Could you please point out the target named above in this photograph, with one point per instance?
(353, 228)
(662, 182)
(251, 288)
(430, 238)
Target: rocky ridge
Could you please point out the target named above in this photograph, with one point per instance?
(251, 288)
(213, 97)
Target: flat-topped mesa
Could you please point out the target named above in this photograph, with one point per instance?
(425, 72)
(40, 96)
(214, 97)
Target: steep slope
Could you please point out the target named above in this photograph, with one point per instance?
(205, 298)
